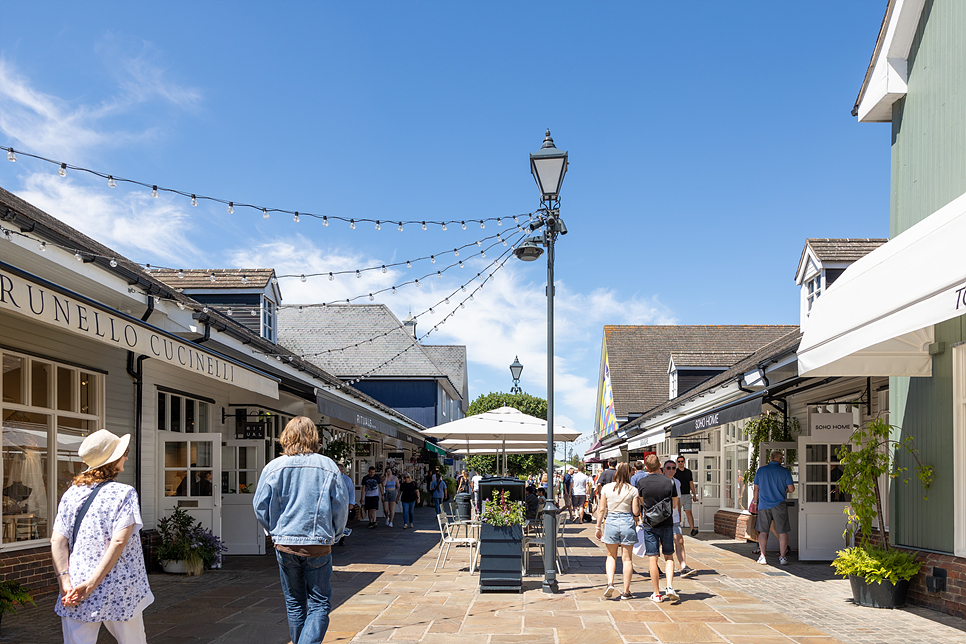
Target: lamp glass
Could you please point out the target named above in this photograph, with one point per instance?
(516, 368)
(549, 172)
(528, 252)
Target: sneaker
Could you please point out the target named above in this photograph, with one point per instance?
(390, 524)
(671, 594)
(694, 531)
(687, 571)
(762, 560)
(405, 526)
(609, 592)
(783, 561)
(627, 596)
(657, 598)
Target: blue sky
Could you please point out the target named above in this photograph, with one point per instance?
(707, 141)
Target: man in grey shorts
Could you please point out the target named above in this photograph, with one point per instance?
(772, 483)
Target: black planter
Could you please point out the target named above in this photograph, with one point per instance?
(501, 558)
(884, 595)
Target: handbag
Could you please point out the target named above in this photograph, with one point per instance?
(81, 513)
(658, 513)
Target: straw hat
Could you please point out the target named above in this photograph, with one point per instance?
(102, 447)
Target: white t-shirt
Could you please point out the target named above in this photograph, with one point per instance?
(581, 481)
(476, 482)
(622, 501)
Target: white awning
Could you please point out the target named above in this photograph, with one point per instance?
(610, 452)
(877, 318)
(646, 440)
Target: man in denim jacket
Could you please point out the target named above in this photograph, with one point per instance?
(303, 504)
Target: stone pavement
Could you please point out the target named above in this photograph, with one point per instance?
(385, 590)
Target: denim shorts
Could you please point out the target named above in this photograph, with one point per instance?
(619, 529)
(677, 528)
(659, 538)
(389, 496)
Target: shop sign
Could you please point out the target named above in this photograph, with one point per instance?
(363, 450)
(254, 431)
(80, 316)
(819, 424)
(447, 461)
(331, 408)
(689, 448)
(720, 416)
(398, 455)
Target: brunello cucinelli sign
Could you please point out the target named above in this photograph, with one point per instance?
(80, 316)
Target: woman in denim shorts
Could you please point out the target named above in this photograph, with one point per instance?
(619, 502)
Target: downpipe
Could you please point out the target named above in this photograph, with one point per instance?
(135, 369)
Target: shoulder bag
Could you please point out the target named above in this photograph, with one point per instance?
(82, 512)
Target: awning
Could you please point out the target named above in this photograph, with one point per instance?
(44, 302)
(611, 452)
(738, 410)
(877, 318)
(646, 440)
(594, 448)
(436, 449)
(334, 409)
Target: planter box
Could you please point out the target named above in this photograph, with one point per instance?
(884, 595)
(179, 567)
(501, 558)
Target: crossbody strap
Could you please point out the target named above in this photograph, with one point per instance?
(83, 511)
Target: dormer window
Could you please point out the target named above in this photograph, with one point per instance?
(269, 320)
(814, 290)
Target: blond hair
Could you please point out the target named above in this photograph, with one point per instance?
(106, 472)
(300, 436)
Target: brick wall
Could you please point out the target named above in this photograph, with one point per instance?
(34, 568)
(733, 524)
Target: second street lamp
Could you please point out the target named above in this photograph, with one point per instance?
(548, 166)
(515, 370)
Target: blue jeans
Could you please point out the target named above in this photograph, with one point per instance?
(307, 585)
(437, 500)
(409, 508)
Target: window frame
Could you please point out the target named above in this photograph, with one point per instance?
(182, 413)
(959, 450)
(99, 398)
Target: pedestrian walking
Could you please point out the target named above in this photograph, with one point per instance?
(96, 549)
(639, 473)
(581, 484)
(464, 485)
(620, 505)
(409, 493)
(351, 491)
(389, 487)
(475, 479)
(772, 483)
(605, 477)
(679, 551)
(658, 497)
(437, 489)
(302, 501)
(371, 485)
(688, 491)
(567, 488)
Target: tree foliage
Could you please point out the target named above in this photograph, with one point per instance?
(525, 464)
(769, 427)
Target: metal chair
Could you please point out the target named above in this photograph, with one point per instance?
(452, 517)
(562, 520)
(447, 540)
(542, 543)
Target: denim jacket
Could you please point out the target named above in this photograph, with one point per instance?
(302, 500)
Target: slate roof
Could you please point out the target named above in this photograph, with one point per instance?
(706, 358)
(451, 359)
(782, 345)
(367, 334)
(846, 249)
(639, 356)
(200, 278)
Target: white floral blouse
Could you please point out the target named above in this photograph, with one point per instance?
(125, 588)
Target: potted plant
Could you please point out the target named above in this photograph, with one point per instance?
(501, 543)
(186, 547)
(879, 575)
(11, 592)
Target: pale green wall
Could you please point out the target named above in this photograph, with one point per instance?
(929, 171)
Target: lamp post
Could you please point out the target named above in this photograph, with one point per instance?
(515, 370)
(548, 166)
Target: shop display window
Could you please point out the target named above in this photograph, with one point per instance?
(45, 417)
(182, 414)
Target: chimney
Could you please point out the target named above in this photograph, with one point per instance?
(410, 324)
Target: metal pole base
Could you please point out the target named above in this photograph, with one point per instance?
(550, 548)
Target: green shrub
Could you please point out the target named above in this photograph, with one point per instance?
(875, 564)
(11, 592)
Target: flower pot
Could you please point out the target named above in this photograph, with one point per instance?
(179, 567)
(882, 595)
(501, 558)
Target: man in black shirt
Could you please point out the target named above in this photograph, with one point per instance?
(688, 492)
(660, 537)
(607, 476)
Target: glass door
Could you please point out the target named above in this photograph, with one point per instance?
(821, 505)
(708, 482)
(188, 463)
(242, 462)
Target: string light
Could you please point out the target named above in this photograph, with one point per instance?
(399, 227)
(352, 224)
(204, 309)
(383, 268)
(444, 227)
(296, 217)
(482, 225)
(378, 227)
(325, 221)
(110, 182)
(265, 214)
(432, 259)
(303, 278)
(231, 207)
(212, 277)
(456, 252)
(463, 223)
(244, 279)
(78, 257)
(409, 264)
(358, 275)
(43, 246)
(11, 157)
(228, 311)
(423, 225)
(194, 201)
(154, 192)
(331, 277)
(181, 305)
(62, 170)
(113, 263)
(180, 274)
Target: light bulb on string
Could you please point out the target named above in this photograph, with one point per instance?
(383, 268)
(302, 277)
(254, 312)
(409, 264)
(439, 275)
(417, 283)
(265, 214)
(371, 298)
(212, 277)
(456, 252)
(478, 244)
(400, 227)
(7, 235)
(11, 157)
(244, 279)
(352, 224)
(444, 226)
(461, 264)
(228, 311)
(432, 310)
(393, 290)
(325, 220)
(194, 200)
(204, 309)
(424, 225)
(378, 226)
(157, 299)
(296, 217)
(446, 301)
(482, 225)
(181, 305)
(331, 277)
(62, 170)
(483, 254)
(499, 222)
(515, 220)
(462, 305)
(432, 259)
(78, 257)
(113, 263)
(43, 246)
(180, 274)
(231, 208)
(358, 275)
(154, 192)
(463, 223)
(110, 182)
(463, 288)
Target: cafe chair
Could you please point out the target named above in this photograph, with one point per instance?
(447, 540)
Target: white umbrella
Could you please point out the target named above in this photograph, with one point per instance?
(480, 451)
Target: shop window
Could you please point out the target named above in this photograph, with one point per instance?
(182, 414)
(188, 469)
(736, 486)
(45, 417)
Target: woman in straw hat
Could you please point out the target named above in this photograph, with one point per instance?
(98, 560)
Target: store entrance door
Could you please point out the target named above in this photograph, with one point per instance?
(706, 468)
(822, 518)
(188, 463)
(242, 462)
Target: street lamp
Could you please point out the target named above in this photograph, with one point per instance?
(515, 370)
(548, 166)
